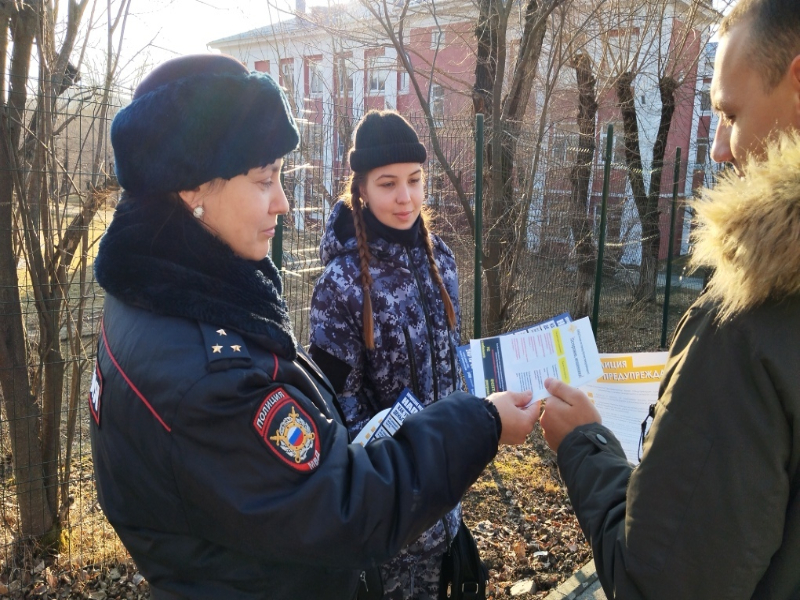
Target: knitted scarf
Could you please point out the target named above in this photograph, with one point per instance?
(155, 255)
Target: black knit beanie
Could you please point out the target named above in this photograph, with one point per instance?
(197, 118)
(384, 138)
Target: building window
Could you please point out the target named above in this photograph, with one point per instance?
(287, 75)
(262, 66)
(344, 77)
(705, 100)
(315, 81)
(702, 153)
(402, 82)
(312, 140)
(619, 145)
(379, 71)
(437, 39)
(564, 147)
(437, 104)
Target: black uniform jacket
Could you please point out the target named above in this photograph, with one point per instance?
(713, 509)
(220, 459)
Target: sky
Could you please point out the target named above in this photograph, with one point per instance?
(161, 29)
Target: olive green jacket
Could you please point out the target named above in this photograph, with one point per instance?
(713, 509)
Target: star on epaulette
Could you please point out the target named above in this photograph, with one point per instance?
(224, 354)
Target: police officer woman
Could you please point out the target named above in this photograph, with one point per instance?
(220, 457)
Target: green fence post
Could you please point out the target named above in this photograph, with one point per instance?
(277, 241)
(601, 244)
(668, 280)
(478, 223)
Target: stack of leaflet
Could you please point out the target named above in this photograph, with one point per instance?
(522, 360)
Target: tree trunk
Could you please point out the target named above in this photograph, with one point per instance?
(651, 229)
(580, 176)
(633, 162)
(20, 405)
(505, 216)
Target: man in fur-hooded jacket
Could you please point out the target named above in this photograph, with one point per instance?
(713, 509)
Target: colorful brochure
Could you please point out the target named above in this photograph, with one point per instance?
(464, 352)
(388, 421)
(624, 393)
(522, 361)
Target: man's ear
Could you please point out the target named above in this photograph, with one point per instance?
(794, 75)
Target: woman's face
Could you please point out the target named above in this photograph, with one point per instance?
(243, 211)
(394, 194)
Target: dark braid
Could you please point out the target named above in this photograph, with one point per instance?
(355, 204)
(437, 277)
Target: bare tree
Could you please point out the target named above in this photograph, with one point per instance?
(579, 178)
(501, 92)
(668, 57)
(48, 215)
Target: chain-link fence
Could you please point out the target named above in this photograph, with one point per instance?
(61, 193)
(57, 196)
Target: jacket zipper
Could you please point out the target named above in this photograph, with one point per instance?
(412, 364)
(431, 339)
(453, 371)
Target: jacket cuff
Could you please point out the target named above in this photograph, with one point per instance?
(498, 423)
(592, 437)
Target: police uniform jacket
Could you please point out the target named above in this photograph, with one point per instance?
(219, 456)
(713, 509)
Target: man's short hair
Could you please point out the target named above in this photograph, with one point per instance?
(774, 34)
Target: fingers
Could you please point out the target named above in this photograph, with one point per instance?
(521, 399)
(561, 390)
(567, 409)
(518, 415)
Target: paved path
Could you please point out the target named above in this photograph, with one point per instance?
(583, 585)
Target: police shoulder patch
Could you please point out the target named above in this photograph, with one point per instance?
(96, 393)
(288, 431)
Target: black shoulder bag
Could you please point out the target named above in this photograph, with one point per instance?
(464, 576)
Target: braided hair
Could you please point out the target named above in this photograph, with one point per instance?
(354, 201)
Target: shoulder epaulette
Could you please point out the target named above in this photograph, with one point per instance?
(225, 348)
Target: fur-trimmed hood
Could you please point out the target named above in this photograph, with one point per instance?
(749, 231)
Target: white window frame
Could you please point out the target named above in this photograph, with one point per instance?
(316, 82)
(380, 69)
(345, 72)
(287, 75)
(403, 81)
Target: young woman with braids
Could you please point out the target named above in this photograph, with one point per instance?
(385, 315)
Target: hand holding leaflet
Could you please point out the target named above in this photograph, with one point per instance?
(388, 421)
(522, 361)
(464, 352)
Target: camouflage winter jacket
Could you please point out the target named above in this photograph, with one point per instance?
(414, 347)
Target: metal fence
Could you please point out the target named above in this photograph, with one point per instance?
(77, 170)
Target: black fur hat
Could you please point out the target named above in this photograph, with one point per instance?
(384, 138)
(196, 118)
